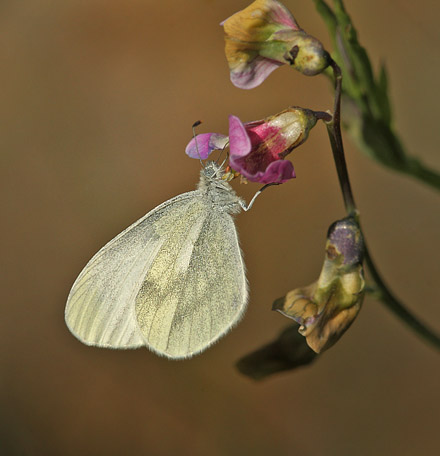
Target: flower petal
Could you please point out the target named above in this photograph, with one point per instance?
(249, 75)
(278, 13)
(239, 141)
(202, 145)
(277, 172)
(259, 20)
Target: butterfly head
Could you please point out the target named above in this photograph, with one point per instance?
(212, 171)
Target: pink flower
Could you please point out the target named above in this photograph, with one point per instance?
(257, 150)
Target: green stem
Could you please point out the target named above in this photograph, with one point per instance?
(335, 136)
(425, 174)
(395, 306)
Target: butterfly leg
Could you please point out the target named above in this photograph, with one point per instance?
(247, 207)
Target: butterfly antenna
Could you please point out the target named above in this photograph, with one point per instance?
(220, 154)
(196, 124)
(219, 172)
(226, 158)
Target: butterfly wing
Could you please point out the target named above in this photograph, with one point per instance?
(100, 306)
(195, 289)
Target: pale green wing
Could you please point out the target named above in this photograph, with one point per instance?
(100, 306)
(195, 289)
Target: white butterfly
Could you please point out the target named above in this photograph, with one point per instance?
(174, 281)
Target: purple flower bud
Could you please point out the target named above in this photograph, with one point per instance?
(345, 238)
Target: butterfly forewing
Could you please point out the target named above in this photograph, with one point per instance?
(195, 289)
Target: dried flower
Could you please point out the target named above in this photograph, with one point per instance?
(326, 308)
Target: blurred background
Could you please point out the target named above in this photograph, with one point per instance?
(97, 102)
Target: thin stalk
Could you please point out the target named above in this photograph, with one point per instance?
(385, 295)
(334, 132)
(425, 174)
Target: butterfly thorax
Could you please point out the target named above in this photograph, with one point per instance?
(220, 193)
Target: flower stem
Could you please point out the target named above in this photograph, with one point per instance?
(334, 132)
(385, 295)
(395, 306)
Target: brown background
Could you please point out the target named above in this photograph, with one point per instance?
(97, 101)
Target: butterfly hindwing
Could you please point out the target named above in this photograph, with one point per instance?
(100, 306)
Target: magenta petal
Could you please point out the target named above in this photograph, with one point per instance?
(277, 172)
(253, 73)
(206, 143)
(239, 141)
